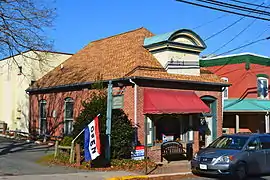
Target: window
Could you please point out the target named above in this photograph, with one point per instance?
(20, 70)
(265, 142)
(225, 93)
(42, 117)
(255, 143)
(229, 142)
(262, 87)
(68, 121)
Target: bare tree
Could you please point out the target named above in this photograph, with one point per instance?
(23, 25)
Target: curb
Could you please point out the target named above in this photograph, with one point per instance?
(154, 176)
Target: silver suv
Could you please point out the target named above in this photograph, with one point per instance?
(238, 155)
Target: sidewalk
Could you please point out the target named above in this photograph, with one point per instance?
(91, 175)
(171, 167)
(165, 171)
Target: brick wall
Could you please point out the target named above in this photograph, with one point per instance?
(141, 118)
(55, 101)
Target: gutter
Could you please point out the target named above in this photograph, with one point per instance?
(87, 84)
(135, 110)
(135, 102)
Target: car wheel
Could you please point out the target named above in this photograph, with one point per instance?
(195, 173)
(240, 171)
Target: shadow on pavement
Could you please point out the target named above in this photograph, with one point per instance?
(17, 146)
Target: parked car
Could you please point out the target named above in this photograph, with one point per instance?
(237, 155)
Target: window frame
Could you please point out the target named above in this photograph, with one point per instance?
(69, 119)
(226, 88)
(267, 85)
(43, 118)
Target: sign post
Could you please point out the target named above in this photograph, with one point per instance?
(145, 142)
(109, 121)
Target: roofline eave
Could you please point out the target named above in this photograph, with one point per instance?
(85, 84)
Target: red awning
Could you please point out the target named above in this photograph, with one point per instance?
(158, 101)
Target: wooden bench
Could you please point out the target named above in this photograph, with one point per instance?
(172, 150)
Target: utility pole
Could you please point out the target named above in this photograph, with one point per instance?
(109, 121)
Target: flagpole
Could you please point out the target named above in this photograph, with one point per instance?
(81, 132)
(71, 158)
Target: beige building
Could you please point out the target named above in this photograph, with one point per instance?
(16, 74)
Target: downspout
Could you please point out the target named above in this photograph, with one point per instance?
(267, 128)
(135, 110)
(29, 114)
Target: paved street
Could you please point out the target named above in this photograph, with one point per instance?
(18, 162)
(19, 158)
(251, 178)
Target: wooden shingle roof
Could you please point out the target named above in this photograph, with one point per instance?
(119, 56)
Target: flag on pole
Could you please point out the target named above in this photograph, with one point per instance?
(92, 140)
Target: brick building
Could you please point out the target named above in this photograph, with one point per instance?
(246, 101)
(163, 87)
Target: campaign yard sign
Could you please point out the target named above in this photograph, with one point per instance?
(138, 153)
(92, 140)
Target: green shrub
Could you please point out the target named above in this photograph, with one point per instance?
(122, 133)
(66, 141)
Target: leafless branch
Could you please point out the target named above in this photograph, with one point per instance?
(23, 25)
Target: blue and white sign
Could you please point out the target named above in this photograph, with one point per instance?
(138, 154)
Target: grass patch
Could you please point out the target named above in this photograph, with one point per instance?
(45, 159)
(116, 164)
(61, 159)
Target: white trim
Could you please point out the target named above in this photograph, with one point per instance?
(267, 122)
(226, 88)
(233, 55)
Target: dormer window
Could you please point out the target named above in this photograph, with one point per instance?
(177, 51)
(225, 93)
(262, 86)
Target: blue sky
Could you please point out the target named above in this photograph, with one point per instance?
(80, 22)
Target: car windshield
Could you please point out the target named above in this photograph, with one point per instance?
(229, 142)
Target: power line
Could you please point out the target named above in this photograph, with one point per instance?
(243, 30)
(224, 10)
(232, 6)
(213, 20)
(245, 45)
(251, 4)
(224, 29)
(257, 37)
(236, 36)
(204, 24)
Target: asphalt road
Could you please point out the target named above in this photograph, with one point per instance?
(18, 162)
(19, 158)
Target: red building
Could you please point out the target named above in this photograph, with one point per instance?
(161, 81)
(246, 101)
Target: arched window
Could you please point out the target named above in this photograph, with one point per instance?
(42, 117)
(68, 116)
(262, 86)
